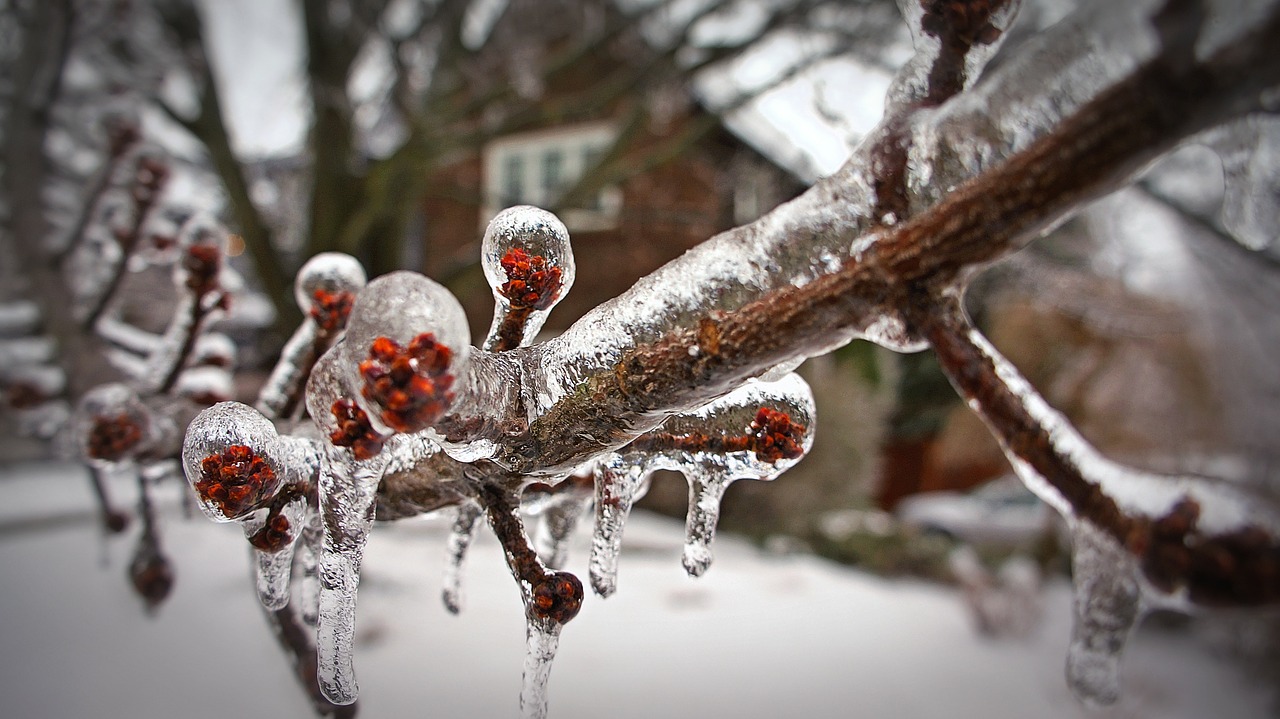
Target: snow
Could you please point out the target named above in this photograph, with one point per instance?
(759, 636)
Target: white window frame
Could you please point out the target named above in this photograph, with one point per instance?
(573, 143)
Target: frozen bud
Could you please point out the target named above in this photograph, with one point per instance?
(151, 574)
(528, 262)
(527, 258)
(557, 597)
(203, 242)
(326, 288)
(113, 424)
(406, 345)
(354, 430)
(228, 459)
(755, 432)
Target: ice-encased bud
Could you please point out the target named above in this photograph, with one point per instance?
(755, 432)
(203, 242)
(228, 458)
(326, 287)
(537, 234)
(406, 346)
(758, 431)
(112, 423)
(528, 261)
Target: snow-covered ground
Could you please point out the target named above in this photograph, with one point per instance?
(759, 636)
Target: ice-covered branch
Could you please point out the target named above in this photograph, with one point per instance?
(1204, 538)
(814, 273)
(1141, 539)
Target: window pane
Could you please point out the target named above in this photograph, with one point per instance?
(552, 174)
(591, 156)
(513, 180)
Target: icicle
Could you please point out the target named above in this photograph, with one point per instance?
(755, 432)
(274, 539)
(542, 639)
(348, 488)
(461, 535)
(528, 262)
(150, 571)
(307, 564)
(1249, 151)
(1107, 605)
(618, 483)
(706, 490)
(557, 505)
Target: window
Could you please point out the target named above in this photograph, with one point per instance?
(535, 168)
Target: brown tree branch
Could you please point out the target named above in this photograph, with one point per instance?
(1088, 154)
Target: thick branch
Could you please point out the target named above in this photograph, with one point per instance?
(636, 367)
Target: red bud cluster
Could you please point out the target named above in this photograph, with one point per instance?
(111, 438)
(274, 535)
(412, 385)
(776, 436)
(354, 430)
(236, 480)
(331, 309)
(202, 262)
(557, 597)
(532, 281)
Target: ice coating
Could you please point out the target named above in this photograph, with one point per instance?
(755, 432)
(229, 458)
(557, 511)
(404, 319)
(347, 492)
(1107, 605)
(328, 273)
(620, 480)
(964, 35)
(528, 261)
(542, 638)
(214, 349)
(205, 385)
(1250, 152)
(1141, 539)
(463, 531)
(1023, 99)
(162, 363)
(273, 566)
(112, 424)
(307, 561)
(551, 598)
(1222, 507)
